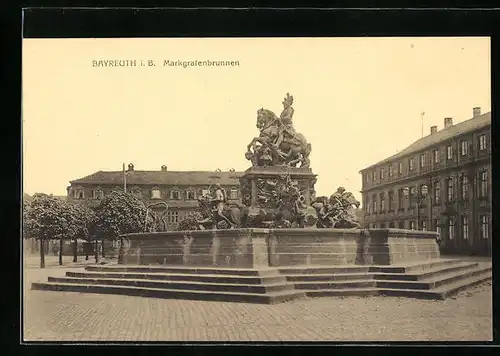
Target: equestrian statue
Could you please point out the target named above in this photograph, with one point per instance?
(278, 143)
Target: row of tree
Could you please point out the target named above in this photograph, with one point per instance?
(46, 217)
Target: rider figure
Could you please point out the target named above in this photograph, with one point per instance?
(286, 120)
(337, 198)
(219, 202)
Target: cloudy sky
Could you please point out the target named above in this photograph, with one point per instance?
(357, 101)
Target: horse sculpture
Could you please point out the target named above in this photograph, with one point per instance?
(207, 219)
(337, 213)
(292, 150)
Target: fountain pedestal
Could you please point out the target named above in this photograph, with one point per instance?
(262, 187)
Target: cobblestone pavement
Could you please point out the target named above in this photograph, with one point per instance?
(66, 316)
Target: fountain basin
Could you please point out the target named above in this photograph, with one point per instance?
(266, 248)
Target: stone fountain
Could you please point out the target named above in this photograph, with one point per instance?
(280, 222)
(280, 244)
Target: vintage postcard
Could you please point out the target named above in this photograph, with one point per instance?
(257, 189)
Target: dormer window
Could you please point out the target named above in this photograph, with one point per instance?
(79, 193)
(175, 194)
(97, 193)
(190, 195)
(155, 193)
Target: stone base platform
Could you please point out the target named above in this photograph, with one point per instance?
(435, 279)
(273, 266)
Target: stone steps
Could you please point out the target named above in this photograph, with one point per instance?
(435, 281)
(414, 267)
(426, 273)
(348, 292)
(441, 292)
(269, 298)
(178, 285)
(207, 278)
(431, 280)
(185, 270)
(328, 277)
(360, 284)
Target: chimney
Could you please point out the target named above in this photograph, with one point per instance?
(434, 129)
(130, 167)
(448, 122)
(476, 111)
(163, 168)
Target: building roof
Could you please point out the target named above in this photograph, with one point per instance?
(161, 178)
(443, 135)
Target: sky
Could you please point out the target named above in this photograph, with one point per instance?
(356, 100)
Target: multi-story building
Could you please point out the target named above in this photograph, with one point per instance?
(441, 182)
(179, 189)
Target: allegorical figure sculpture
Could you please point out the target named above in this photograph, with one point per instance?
(278, 143)
(337, 211)
(214, 213)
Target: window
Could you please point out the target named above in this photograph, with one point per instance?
(391, 225)
(484, 226)
(190, 195)
(451, 228)
(175, 195)
(449, 152)
(422, 160)
(374, 202)
(464, 148)
(79, 193)
(465, 188)
(381, 173)
(482, 142)
(374, 176)
(367, 205)
(484, 184)
(412, 225)
(382, 202)
(97, 193)
(465, 227)
(155, 193)
(390, 171)
(435, 155)
(412, 196)
(450, 189)
(173, 216)
(438, 227)
(401, 225)
(411, 164)
(401, 199)
(424, 225)
(400, 168)
(233, 194)
(437, 192)
(391, 200)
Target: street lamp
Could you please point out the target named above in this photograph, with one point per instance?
(420, 198)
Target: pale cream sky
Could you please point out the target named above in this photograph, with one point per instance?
(357, 101)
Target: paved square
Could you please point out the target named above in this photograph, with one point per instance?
(66, 316)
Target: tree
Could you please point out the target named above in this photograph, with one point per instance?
(47, 217)
(83, 219)
(119, 213)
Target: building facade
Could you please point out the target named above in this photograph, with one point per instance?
(179, 189)
(441, 182)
